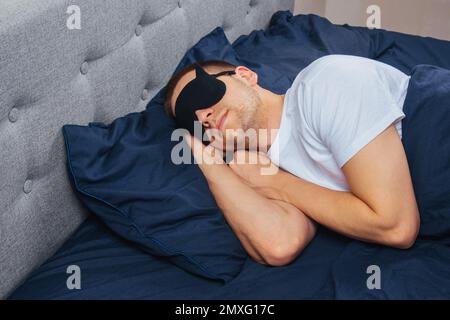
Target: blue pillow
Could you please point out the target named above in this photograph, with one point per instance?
(426, 138)
(124, 174)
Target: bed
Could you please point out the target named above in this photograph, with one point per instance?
(97, 86)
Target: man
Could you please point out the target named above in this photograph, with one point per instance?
(338, 145)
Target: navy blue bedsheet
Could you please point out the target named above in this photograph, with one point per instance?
(331, 267)
(113, 268)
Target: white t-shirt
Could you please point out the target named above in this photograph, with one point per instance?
(336, 106)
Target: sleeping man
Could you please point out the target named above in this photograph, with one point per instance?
(335, 135)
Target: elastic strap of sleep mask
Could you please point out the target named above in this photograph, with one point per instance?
(203, 91)
(223, 73)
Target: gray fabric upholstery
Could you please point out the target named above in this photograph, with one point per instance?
(50, 76)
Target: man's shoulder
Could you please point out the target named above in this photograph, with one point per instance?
(328, 82)
(341, 60)
(334, 68)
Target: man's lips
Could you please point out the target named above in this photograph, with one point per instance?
(221, 121)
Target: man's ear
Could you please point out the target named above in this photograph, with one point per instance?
(247, 75)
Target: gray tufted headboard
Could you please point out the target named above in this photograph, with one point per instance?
(51, 75)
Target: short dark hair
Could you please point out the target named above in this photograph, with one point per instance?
(218, 65)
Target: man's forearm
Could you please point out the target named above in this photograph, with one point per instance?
(223, 184)
(340, 211)
(262, 226)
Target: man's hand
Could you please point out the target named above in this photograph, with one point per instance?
(254, 168)
(258, 172)
(207, 157)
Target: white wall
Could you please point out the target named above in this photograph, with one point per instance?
(420, 17)
(310, 6)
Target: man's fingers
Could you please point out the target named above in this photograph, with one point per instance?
(196, 147)
(251, 157)
(203, 154)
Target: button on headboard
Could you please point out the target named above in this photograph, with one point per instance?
(50, 75)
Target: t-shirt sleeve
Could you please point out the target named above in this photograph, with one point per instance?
(349, 108)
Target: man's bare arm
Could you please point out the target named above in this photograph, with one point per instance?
(381, 206)
(271, 231)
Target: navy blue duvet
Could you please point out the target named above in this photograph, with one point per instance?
(332, 266)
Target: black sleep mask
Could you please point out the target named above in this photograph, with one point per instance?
(202, 92)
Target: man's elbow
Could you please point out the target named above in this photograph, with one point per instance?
(282, 254)
(404, 233)
(402, 238)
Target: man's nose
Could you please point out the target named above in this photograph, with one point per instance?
(204, 115)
